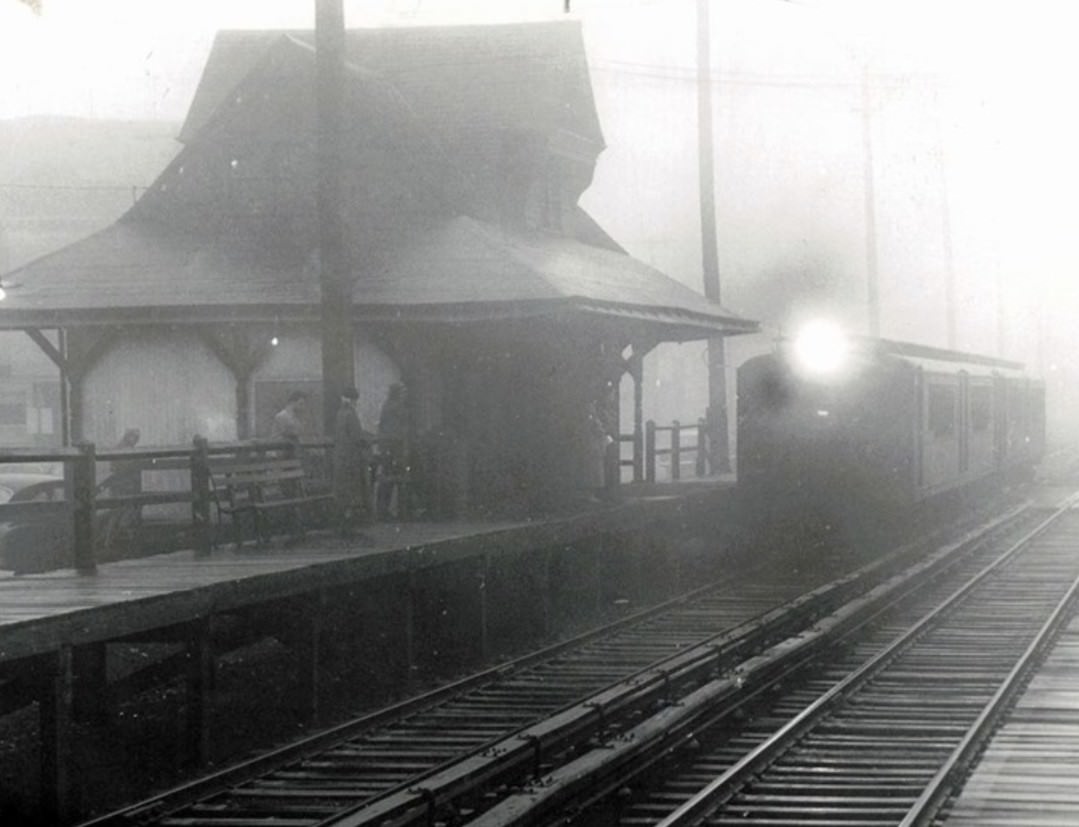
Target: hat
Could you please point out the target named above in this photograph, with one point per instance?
(350, 393)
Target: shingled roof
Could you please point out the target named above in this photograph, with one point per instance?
(527, 76)
(181, 255)
(461, 270)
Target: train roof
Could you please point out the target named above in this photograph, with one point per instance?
(926, 353)
(868, 350)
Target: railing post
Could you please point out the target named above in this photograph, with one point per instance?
(612, 467)
(638, 456)
(650, 451)
(676, 450)
(84, 482)
(702, 447)
(200, 497)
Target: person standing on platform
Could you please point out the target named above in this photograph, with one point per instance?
(392, 447)
(290, 422)
(351, 466)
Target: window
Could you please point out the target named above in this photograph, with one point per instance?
(941, 410)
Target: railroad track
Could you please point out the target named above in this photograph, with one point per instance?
(390, 751)
(445, 752)
(879, 732)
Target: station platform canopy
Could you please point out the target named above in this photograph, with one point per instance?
(462, 270)
(460, 197)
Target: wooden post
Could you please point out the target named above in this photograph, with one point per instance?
(200, 497)
(200, 682)
(484, 607)
(636, 372)
(338, 365)
(650, 451)
(545, 592)
(612, 469)
(243, 406)
(597, 573)
(676, 450)
(91, 683)
(311, 649)
(717, 375)
(868, 173)
(410, 629)
(55, 726)
(702, 447)
(84, 483)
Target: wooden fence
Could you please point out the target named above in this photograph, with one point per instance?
(671, 446)
(84, 498)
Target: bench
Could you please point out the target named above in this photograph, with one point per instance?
(253, 488)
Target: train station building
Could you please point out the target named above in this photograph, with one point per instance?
(478, 281)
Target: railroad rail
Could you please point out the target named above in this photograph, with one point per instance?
(439, 751)
(880, 731)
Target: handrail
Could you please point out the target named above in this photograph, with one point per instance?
(84, 495)
(676, 447)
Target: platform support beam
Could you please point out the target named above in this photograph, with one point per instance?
(200, 684)
(311, 652)
(409, 631)
(483, 576)
(91, 688)
(56, 737)
(546, 598)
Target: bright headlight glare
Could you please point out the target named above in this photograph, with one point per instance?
(821, 348)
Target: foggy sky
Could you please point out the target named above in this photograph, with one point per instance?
(971, 124)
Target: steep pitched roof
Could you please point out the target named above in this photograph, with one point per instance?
(444, 73)
(460, 270)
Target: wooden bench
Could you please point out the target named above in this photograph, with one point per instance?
(254, 487)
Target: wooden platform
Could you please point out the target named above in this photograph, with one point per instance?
(40, 613)
(1029, 775)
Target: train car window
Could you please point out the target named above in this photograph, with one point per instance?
(941, 410)
(981, 407)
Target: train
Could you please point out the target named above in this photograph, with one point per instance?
(843, 434)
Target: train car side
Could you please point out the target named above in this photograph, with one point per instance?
(900, 426)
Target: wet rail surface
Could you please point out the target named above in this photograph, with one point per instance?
(884, 733)
(312, 781)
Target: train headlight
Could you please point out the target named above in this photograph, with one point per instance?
(821, 348)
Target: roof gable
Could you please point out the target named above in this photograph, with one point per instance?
(452, 78)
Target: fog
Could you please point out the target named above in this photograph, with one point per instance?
(970, 125)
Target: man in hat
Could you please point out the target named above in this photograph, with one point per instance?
(351, 465)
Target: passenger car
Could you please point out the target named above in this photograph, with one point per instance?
(888, 427)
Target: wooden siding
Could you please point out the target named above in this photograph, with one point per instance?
(167, 384)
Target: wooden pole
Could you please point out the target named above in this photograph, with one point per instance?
(55, 722)
(338, 368)
(950, 308)
(872, 284)
(85, 483)
(717, 375)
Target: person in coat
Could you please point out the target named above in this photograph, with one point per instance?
(351, 465)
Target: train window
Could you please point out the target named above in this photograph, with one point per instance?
(941, 410)
(981, 408)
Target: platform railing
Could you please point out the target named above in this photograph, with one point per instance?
(684, 443)
(84, 497)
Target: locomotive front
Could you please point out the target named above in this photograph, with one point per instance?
(824, 434)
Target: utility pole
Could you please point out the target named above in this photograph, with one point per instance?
(872, 284)
(950, 308)
(717, 374)
(338, 367)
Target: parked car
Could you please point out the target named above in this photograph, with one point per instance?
(36, 544)
(29, 545)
